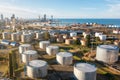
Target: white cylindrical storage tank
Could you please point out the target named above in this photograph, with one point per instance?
(69, 41)
(15, 37)
(44, 44)
(24, 47)
(72, 34)
(39, 36)
(107, 53)
(97, 34)
(6, 35)
(83, 42)
(37, 69)
(85, 71)
(102, 37)
(52, 50)
(26, 38)
(65, 36)
(29, 56)
(32, 34)
(64, 58)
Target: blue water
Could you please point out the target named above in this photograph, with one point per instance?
(98, 21)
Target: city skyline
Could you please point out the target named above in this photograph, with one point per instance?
(61, 8)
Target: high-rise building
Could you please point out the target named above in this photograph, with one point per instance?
(52, 18)
(44, 19)
(13, 22)
(2, 17)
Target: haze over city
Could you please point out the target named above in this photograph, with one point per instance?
(61, 8)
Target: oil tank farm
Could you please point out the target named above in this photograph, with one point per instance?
(107, 53)
(64, 58)
(52, 50)
(29, 56)
(84, 71)
(44, 44)
(37, 69)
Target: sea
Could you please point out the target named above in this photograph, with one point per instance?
(64, 22)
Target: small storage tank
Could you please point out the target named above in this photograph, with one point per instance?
(6, 35)
(24, 47)
(72, 34)
(97, 34)
(15, 37)
(65, 36)
(44, 44)
(26, 38)
(37, 69)
(107, 53)
(69, 41)
(64, 58)
(29, 56)
(60, 40)
(39, 36)
(85, 71)
(102, 37)
(52, 50)
(83, 42)
(32, 34)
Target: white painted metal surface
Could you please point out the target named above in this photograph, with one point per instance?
(84, 71)
(37, 69)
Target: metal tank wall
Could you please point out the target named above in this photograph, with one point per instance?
(44, 44)
(107, 55)
(29, 56)
(63, 59)
(24, 47)
(34, 71)
(84, 74)
(52, 50)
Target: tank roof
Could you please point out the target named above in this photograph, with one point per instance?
(25, 45)
(44, 41)
(37, 63)
(30, 52)
(53, 47)
(85, 67)
(108, 47)
(64, 54)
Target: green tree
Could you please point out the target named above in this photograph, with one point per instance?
(46, 35)
(88, 42)
(77, 42)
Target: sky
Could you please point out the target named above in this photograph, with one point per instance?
(61, 8)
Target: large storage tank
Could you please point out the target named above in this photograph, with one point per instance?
(52, 50)
(72, 34)
(85, 71)
(37, 69)
(29, 56)
(64, 58)
(24, 47)
(26, 38)
(6, 35)
(44, 44)
(107, 53)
